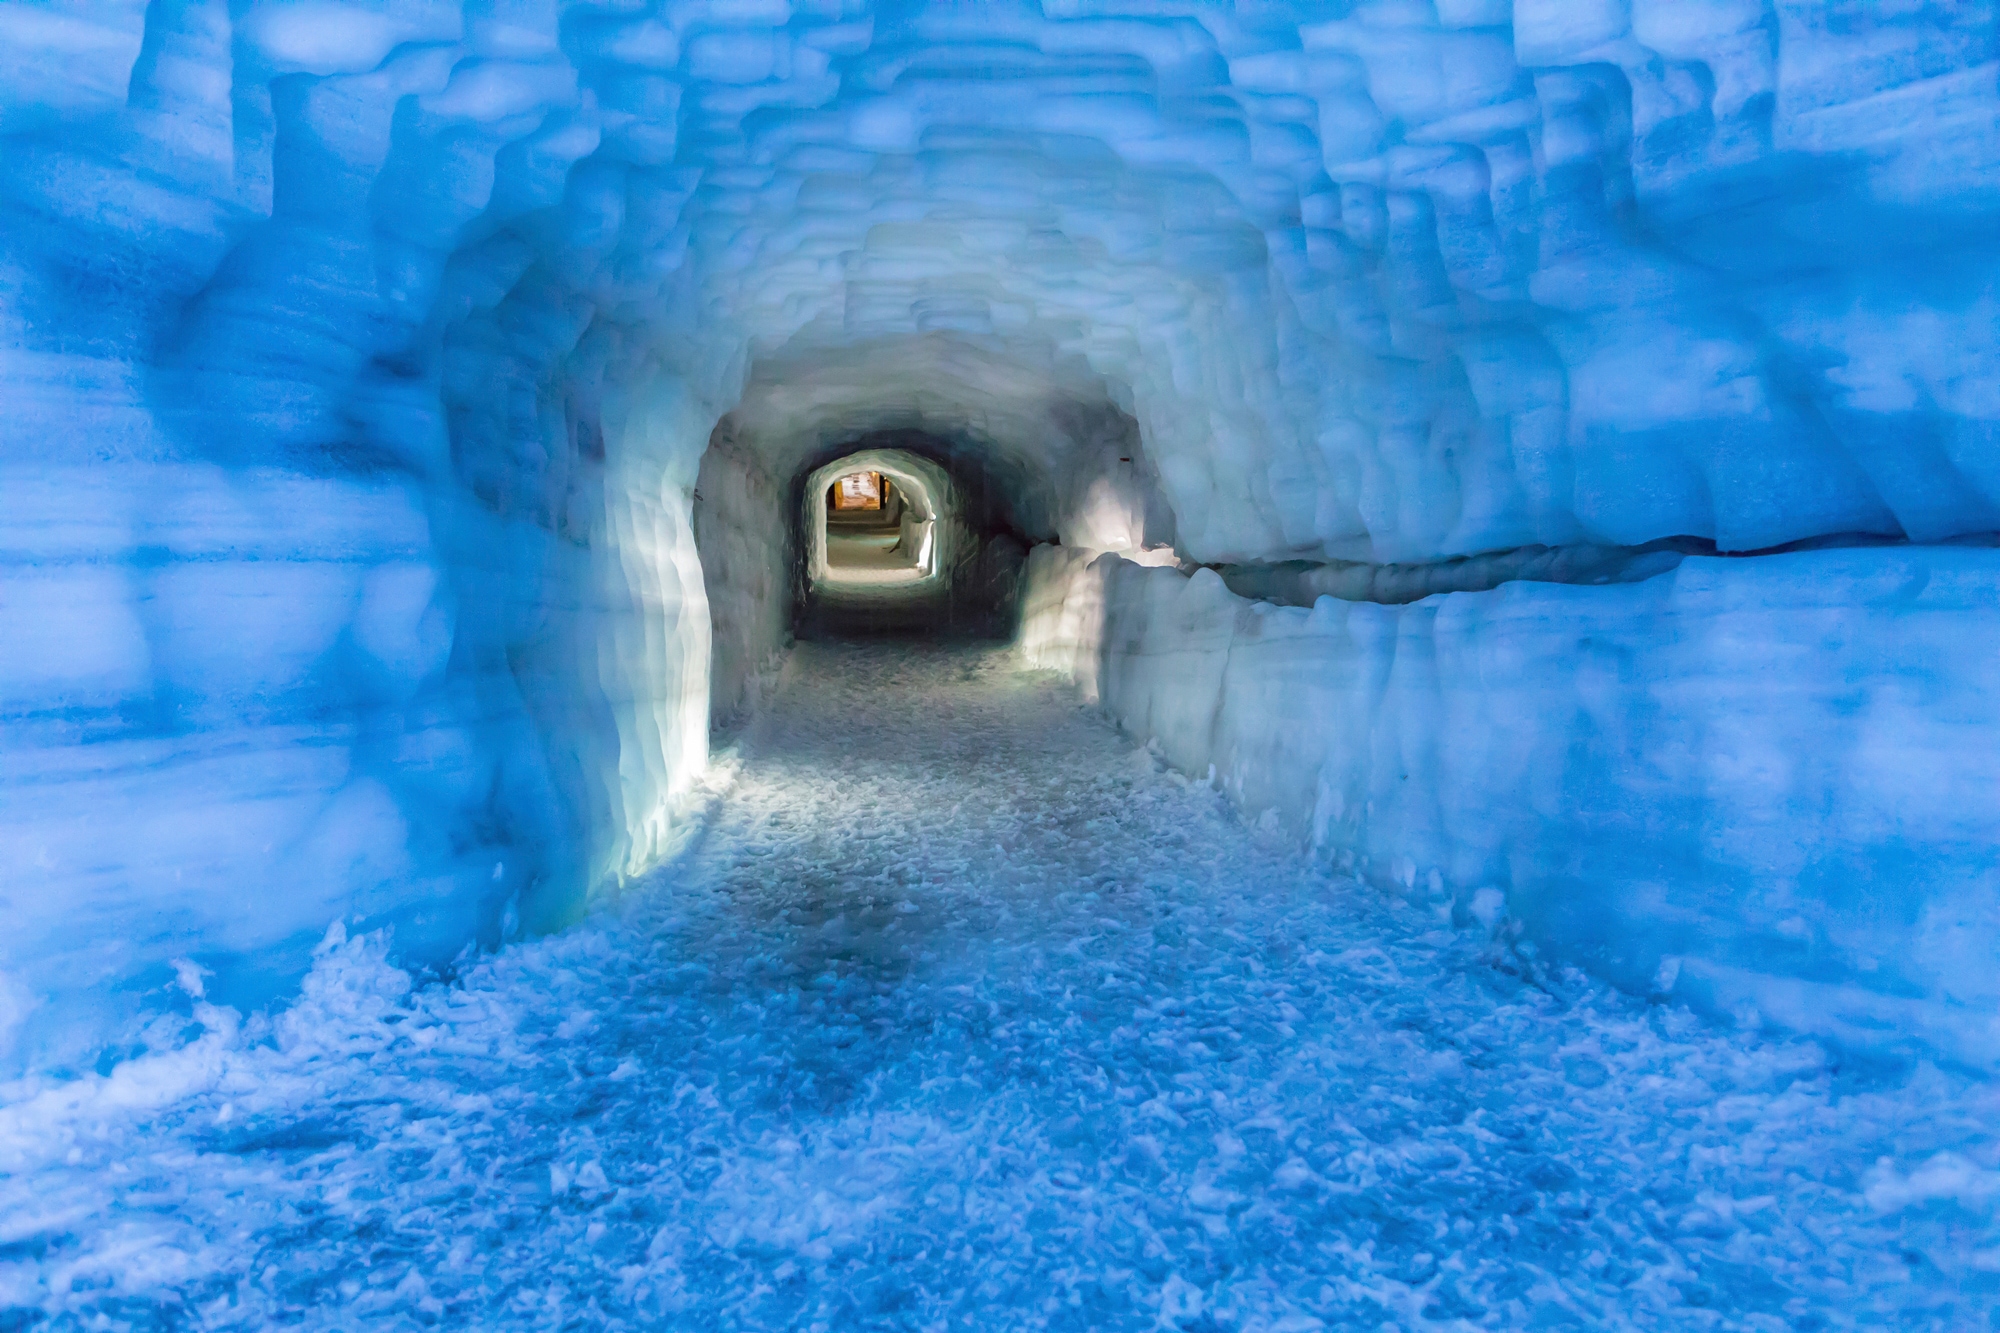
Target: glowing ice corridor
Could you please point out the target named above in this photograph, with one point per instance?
(1000, 664)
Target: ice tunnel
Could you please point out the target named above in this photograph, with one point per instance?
(1543, 456)
(407, 409)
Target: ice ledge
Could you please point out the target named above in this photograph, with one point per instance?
(1301, 582)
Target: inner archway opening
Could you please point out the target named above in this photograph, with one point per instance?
(875, 537)
(900, 533)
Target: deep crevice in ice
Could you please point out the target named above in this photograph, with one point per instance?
(1302, 582)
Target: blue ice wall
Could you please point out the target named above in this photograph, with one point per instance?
(358, 360)
(1759, 786)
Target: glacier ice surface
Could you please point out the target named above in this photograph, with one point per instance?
(978, 1014)
(402, 402)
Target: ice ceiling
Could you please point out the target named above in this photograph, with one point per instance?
(361, 361)
(1387, 281)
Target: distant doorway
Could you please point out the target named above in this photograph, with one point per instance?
(873, 536)
(886, 545)
(858, 491)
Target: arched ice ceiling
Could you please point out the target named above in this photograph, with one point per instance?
(1393, 280)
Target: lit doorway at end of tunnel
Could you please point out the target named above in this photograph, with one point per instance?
(904, 537)
(874, 537)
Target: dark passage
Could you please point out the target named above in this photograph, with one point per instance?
(904, 533)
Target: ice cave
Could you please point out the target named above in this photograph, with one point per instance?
(1000, 664)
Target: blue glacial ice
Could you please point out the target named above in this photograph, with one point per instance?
(1537, 459)
(990, 1020)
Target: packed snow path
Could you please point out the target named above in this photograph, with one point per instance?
(964, 1015)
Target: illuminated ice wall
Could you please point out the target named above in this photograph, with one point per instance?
(359, 362)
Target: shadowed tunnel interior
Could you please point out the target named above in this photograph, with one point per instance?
(947, 561)
(1394, 728)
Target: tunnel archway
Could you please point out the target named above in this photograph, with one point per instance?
(900, 564)
(872, 530)
(964, 532)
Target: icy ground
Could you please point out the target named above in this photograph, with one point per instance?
(964, 1015)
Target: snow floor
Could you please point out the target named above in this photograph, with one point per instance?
(963, 1014)
(867, 560)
